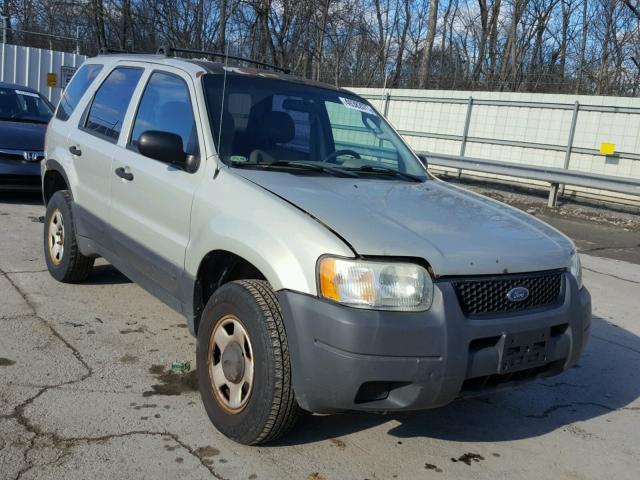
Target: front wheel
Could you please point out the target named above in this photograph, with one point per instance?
(64, 260)
(244, 372)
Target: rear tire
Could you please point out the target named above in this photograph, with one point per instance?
(246, 385)
(64, 260)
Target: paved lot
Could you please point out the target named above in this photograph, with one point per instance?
(85, 393)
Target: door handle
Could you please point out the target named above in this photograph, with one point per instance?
(75, 151)
(123, 173)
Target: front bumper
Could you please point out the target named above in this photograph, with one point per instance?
(345, 358)
(19, 174)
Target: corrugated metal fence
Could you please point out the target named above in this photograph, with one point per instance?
(48, 71)
(562, 131)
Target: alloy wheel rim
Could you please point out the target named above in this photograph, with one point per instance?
(231, 364)
(56, 237)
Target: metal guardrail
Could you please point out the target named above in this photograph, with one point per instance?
(554, 176)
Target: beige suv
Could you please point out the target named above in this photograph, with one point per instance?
(318, 263)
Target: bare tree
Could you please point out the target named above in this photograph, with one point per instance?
(581, 46)
(428, 47)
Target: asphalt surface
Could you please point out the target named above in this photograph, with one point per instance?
(85, 392)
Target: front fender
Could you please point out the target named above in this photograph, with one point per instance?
(280, 240)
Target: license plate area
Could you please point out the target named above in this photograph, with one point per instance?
(524, 350)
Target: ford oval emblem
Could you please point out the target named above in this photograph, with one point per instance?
(518, 294)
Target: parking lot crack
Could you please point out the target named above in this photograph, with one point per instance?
(14, 272)
(76, 352)
(562, 384)
(67, 442)
(561, 406)
(19, 411)
(611, 275)
(611, 342)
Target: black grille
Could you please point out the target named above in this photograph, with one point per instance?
(18, 156)
(7, 155)
(485, 295)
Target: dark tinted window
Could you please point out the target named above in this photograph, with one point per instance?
(74, 91)
(20, 105)
(165, 106)
(111, 101)
(266, 121)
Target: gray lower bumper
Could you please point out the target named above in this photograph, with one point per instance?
(350, 359)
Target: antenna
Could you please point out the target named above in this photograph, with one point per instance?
(224, 88)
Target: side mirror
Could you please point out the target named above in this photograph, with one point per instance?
(424, 159)
(165, 147)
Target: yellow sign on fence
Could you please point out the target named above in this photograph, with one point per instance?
(52, 80)
(607, 149)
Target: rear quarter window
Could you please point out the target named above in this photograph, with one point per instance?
(76, 89)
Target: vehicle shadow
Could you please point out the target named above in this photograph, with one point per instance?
(106, 274)
(604, 381)
(21, 197)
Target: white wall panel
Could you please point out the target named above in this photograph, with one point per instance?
(528, 124)
(29, 66)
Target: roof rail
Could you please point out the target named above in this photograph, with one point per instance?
(169, 51)
(108, 50)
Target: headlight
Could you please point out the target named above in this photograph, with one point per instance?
(575, 268)
(375, 285)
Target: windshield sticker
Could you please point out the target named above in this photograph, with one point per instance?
(28, 94)
(355, 105)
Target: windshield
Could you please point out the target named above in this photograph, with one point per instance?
(268, 123)
(24, 106)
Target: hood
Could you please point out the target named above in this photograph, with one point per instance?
(22, 135)
(457, 232)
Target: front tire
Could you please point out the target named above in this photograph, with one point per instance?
(64, 260)
(244, 371)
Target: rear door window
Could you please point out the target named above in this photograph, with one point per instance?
(76, 89)
(110, 103)
(166, 107)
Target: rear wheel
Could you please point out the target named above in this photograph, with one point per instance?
(64, 260)
(244, 373)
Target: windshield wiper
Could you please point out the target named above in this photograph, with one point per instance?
(338, 172)
(388, 171)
